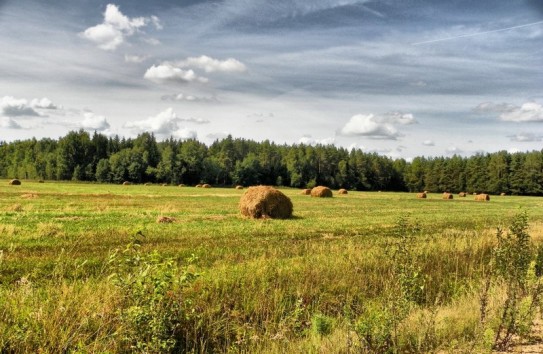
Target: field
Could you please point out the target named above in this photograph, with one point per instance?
(87, 268)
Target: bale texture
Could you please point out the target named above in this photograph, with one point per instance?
(306, 191)
(342, 191)
(421, 195)
(321, 192)
(206, 185)
(462, 194)
(447, 196)
(482, 197)
(265, 202)
(15, 182)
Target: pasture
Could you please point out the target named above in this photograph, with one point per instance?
(87, 268)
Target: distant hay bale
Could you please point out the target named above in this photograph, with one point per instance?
(265, 202)
(474, 193)
(342, 191)
(198, 186)
(126, 183)
(426, 192)
(447, 195)
(181, 185)
(164, 184)
(206, 185)
(165, 219)
(306, 191)
(41, 181)
(421, 195)
(321, 192)
(239, 187)
(482, 197)
(502, 194)
(462, 194)
(15, 182)
(147, 184)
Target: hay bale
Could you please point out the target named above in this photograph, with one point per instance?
(165, 219)
(502, 194)
(41, 181)
(421, 195)
(239, 187)
(15, 182)
(474, 193)
(321, 192)
(198, 186)
(164, 184)
(181, 185)
(306, 191)
(206, 185)
(447, 195)
(265, 202)
(147, 184)
(342, 191)
(482, 197)
(426, 192)
(126, 183)
(462, 194)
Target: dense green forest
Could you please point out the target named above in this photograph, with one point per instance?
(85, 157)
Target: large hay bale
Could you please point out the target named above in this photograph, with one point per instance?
(265, 202)
(462, 194)
(321, 192)
(206, 186)
(342, 191)
(306, 191)
(126, 183)
(15, 182)
(198, 186)
(482, 197)
(239, 187)
(164, 184)
(447, 195)
(421, 195)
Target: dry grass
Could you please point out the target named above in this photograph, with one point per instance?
(265, 202)
(165, 220)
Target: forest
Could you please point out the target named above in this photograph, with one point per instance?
(81, 156)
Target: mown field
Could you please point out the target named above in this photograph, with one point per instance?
(87, 268)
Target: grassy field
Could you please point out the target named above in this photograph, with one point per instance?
(87, 268)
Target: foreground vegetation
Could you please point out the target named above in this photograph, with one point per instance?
(79, 156)
(87, 268)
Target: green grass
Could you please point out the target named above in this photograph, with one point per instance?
(261, 282)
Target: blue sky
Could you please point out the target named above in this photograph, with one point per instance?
(401, 78)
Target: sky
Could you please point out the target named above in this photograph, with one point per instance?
(402, 78)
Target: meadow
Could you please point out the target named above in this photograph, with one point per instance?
(87, 268)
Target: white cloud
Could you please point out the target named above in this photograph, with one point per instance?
(188, 98)
(308, 140)
(525, 137)
(428, 143)
(490, 107)
(116, 27)
(134, 58)
(8, 123)
(370, 126)
(209, 64)
(396, 118)
(151, 41)
(165, 123)
(528, 112)
(453, 150)
(92, 121)
(195, 120)
(13, 107)
(217, 136)
(43, 103)
(166, 72)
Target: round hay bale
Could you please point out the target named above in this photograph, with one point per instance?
(462, 194)
(342, 191)
(15, 182)
(474, 193)
(206, 185)
(126, 183)
(421, 195)
(265, 202)
(165, 219)
(164, 184)
(41, 181)
(502, 194)
(147, 184)
(321, 192)
(198, 186)
(447, 195)
(181, 185)
(426, 192)
(482, 197)
(239, 187)
(306, 191)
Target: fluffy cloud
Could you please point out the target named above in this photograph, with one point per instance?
(13, 107)
(165, 123)
(528, 112)
(43, 103)
(195, 120)
(525, 137)
(181, 97)
(169, 73)
(428, 143)
(116, 27)
(92, 121)
(210, 65)
(453, 150)
(308, 140)
(490, 107)
(376, 127)
(8, 123)
(134, 58)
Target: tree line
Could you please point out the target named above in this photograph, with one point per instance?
(81, 156)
